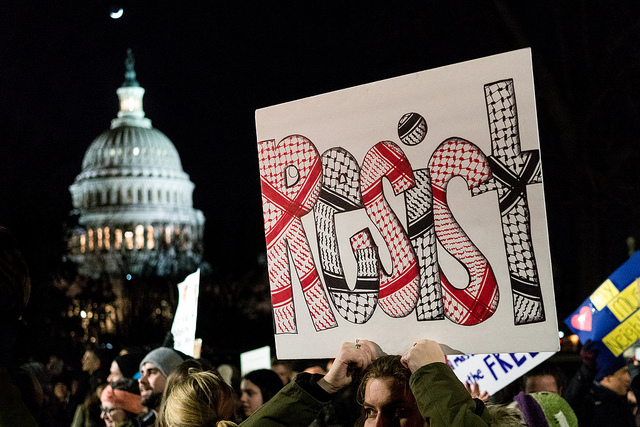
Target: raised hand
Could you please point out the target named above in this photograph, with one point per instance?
(474, 391)
(422, 353)
(352, 358)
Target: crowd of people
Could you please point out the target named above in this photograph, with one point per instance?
(362, 386)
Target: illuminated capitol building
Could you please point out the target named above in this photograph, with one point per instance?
(133, 199)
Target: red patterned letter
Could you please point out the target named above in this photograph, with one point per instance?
(290, 177)
(479, 300)
(398, 291)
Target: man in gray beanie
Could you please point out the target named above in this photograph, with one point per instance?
(154, 370)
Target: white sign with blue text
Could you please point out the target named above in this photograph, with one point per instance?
(492, 372)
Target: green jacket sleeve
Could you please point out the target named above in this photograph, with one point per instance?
(442, 399)
(296, 405)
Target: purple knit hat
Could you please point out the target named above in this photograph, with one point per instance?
(532, 412)
(545, 409)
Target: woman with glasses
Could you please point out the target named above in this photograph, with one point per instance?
(120, 402)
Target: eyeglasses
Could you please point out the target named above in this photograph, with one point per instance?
(108, 411)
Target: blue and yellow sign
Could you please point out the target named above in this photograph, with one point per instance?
(611, 313)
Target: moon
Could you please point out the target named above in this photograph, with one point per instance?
(117, 14)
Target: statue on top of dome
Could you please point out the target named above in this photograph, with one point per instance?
(130, 73)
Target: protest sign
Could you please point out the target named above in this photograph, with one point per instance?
(611, 313)
(184, 321)
(260, 358)
(409, 208)
(493, 372)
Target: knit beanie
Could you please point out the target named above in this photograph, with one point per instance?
(545, 409)
(267, 381)
(164, 358)
(607, 364)
(129, 364)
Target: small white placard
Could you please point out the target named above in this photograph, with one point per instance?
(184, 321)
(260, 358)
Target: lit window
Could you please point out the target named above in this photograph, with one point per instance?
(128, 238)
(128, 104)
(136, 151)
(139, 237)
(185, 239)
(99, 230)
(83, 243)
(167, 234)
(150, 242)
(176, 236)
(118, 238)
(107, 243)
(90, 237)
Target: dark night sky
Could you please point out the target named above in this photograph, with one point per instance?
(207, 67)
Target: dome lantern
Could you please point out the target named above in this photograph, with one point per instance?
(130, 94)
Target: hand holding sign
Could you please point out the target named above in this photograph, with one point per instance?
(423, 353)
(352, 358)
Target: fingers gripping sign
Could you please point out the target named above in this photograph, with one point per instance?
(352, 359)
(423, 352)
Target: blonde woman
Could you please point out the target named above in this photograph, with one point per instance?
(200, 399)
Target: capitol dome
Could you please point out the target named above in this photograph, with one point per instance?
(134, 149)
(133, 199)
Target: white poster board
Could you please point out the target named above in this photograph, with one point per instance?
(410, 208)
(184, 321)
(493, 372)
(251, 360)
